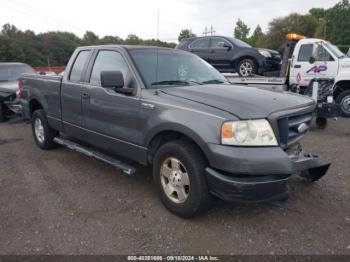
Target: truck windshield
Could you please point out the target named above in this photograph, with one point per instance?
(335, 51)
(160, 68)
(11, 73)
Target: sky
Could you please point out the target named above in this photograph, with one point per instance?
(123, 17)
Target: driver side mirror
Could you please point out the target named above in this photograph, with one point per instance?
(312, 60)
(227, 46)
(115, 79)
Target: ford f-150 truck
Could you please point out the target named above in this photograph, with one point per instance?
(170, 109)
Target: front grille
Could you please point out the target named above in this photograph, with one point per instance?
(288, 128)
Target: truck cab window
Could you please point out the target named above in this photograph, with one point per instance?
(77, 69)
(322, 54)
(108, 61)
(305, 53)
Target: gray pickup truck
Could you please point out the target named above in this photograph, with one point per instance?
(170, 109)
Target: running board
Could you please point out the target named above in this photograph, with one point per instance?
(129, 170)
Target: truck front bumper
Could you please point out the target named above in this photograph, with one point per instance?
(258, 187)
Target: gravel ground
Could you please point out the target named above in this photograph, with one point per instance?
(61, 202)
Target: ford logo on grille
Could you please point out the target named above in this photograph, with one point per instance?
(302, 128)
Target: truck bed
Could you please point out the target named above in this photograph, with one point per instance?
(42, 86)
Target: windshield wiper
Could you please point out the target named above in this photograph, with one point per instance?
(173, 82)
(215, 81)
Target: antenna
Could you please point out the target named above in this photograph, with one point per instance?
(158, 26)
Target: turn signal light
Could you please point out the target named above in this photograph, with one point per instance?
(226, 130)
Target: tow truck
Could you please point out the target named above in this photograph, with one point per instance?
(313, 67)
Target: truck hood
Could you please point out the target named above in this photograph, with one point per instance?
(242, 101)
(9, 87)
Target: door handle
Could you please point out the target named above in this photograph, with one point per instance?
(86, 96)
(297, 66)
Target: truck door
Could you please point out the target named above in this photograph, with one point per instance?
(111, 119)
(221, 52)
(326, 64)
(301, 70)
(71, 95)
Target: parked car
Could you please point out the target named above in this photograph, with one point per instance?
(170, 109)
(228, 54)
(9, 88)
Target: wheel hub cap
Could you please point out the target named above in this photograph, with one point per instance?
(345, 104)
(246, 69)
(39, 130)
(175, 181)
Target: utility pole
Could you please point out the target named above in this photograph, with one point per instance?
(158, 26)
(209, 32)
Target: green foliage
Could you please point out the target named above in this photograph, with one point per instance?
(55, 48)
(332, 24)
(337, 23)
(257, 37)
(241, 31)
(185, 33)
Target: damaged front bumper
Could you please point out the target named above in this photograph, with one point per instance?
(264, 188)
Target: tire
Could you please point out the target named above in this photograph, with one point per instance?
(191, 162)
(2, 112)
(321, 122)
(246, 67)
(344, 101)
(42, 133)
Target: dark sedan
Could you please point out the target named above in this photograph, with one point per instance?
(231, 55)
(9, 75)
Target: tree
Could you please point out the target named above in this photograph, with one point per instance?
(9, 30)
(241, 31)
(279, 27)
(90, 38)
(337, 23)
(133, 39)
(185, 33)
(257, 37)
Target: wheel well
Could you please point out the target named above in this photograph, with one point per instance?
(340, 87)
(238, 60)
(164, 137)
(34, 105)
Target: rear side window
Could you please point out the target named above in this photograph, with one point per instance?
(202, 43)
(305, 53)
(78, 66)
(108, 61)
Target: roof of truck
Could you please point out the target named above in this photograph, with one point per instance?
(312, 40)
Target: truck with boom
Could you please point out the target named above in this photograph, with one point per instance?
(306, 61)
(172, 110)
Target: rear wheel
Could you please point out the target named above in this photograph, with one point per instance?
(179, 174)
(344, 101)
(246, 67)
(42, 133)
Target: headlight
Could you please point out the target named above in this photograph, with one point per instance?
(264, 52)
(248, 133)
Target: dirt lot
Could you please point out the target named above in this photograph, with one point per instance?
(60, 202)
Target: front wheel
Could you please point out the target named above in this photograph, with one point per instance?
(246, 67)
(344, 101)
(179, 174)
(42, 133)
